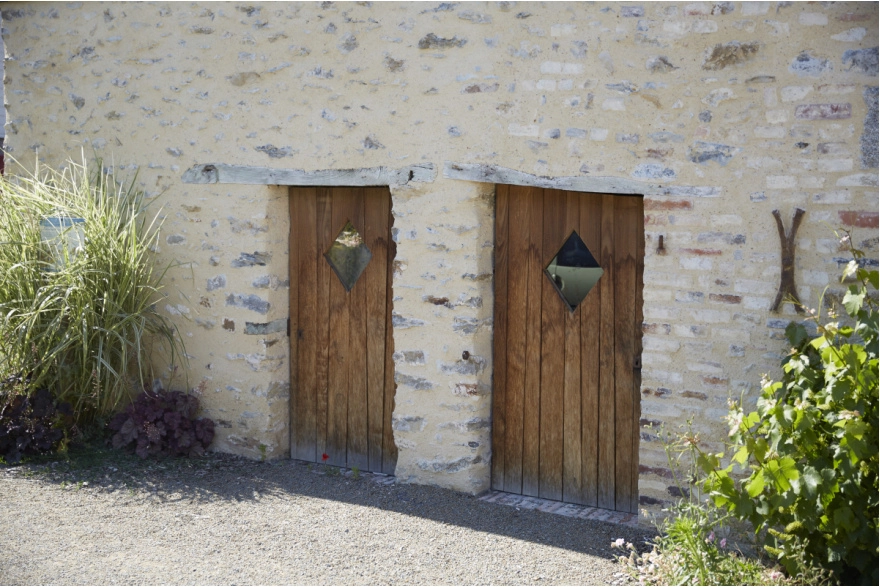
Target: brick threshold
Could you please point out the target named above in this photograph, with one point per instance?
(569, 510)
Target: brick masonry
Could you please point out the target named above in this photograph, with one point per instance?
(719, 112)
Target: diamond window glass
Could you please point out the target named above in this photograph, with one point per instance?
(574, 271)
(348, 256)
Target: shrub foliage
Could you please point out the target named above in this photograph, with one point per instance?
(162, 422)
(30, 423)
(810, 447)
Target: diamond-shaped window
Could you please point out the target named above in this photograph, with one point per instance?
(348, 256)
(574, 271)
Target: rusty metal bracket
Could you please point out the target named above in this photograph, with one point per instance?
(786, 280)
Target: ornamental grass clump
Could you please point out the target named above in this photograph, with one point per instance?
(80, 319)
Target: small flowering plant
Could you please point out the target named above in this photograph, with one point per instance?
(688, 552)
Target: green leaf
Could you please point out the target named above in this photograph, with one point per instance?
(796, 334)
(751, 419)
(853, 301)
(782, 471)
(760, 449)
(707, 462)
(743, 506)
(755, 485)
(788, 467)
(741, 456)
(843, 516)
(854, 428)
(834, 553)
(811, 480)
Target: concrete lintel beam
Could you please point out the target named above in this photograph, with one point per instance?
(496, 174)
(208, 173)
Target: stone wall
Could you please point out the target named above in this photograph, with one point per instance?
(718, 112)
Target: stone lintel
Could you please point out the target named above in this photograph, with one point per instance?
(483, 173)
(207, 173)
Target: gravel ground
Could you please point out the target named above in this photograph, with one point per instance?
(107, 518)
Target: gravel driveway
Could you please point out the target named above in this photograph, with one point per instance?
(108, 518)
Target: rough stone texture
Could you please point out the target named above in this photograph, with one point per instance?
(862, 60)
(868, 141)
(717, 113)
(807, 65)
(701, 152)
(732, 53)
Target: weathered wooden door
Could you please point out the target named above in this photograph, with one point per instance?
(341, 369)
(567, 347)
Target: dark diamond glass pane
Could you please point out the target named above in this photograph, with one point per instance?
(574, 271)
(348, 255)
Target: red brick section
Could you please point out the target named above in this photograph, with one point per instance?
(652, 204)
(660, 392)
(656, 328)
(694, 394)
(852, 16)
(859, 218)
(713, 380)
(823, 111)
(660, 154)
(702, 252)
(725, 298)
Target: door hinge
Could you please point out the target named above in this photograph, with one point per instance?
(288, 327)
(637, 362)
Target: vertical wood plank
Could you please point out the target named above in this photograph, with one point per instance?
(554, 313)
(306, 332)
(357, 446)
(376, 236)
(590, 335)
(532, 397)
(293, 315)
(339, 370)
(499, 346)
(572, 442)
(607, 435)
(639, 231)
(625, 248)
(321, 351)
(517, 335)
(389, 449)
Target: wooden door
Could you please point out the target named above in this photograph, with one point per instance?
(341, 369)
(565, 405)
